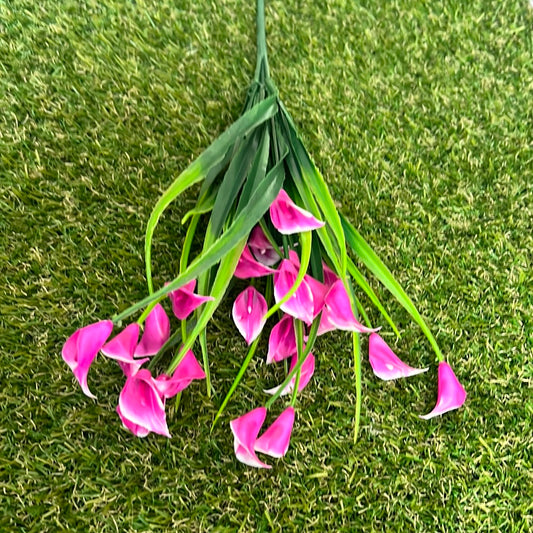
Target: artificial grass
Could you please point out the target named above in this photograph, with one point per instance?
(419, 115)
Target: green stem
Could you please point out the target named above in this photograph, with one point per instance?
(299, 354)
(262, 61)
(237, 380)
(356, 341)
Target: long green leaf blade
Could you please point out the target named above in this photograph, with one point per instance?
(198, 169)
(371, 260)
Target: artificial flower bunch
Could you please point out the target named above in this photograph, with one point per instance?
(267, 213)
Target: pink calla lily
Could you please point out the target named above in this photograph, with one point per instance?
(185, 301)
(300, 305)
(81, 348)
(245, 430)
(248, 267)
(385, 363)
(282, 341)
(140, 406)
(156, 332)
(329, 276)
(275, 440)
(188, 370)
(306, 373)
(249, 312)
(122, 347)
(288, 218)
(337, 312)
(451, 394)
(261, 248)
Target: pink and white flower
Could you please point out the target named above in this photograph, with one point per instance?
(156, 332)
(451, 394)
(81, 348)
(288, 218)
(249, 310)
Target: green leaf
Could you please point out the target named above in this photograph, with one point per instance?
(371, 260)
(241, 227)
(204, 204)
(320, 191)
(200, 167)
(232, 182)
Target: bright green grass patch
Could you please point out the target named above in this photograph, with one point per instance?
(419, 115)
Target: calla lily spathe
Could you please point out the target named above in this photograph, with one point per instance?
(385, 363)
(156, 332)
(337, 312)
(282, 340)
(451, 394)
(275, 440)
(188, 370)
(249, 310)
(185, 301)
(81, 348)
(248, 267)
(245, 430)
(261, 247)
(288, 218)
(141, 407)
(122, 348)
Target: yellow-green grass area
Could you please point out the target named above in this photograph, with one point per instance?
(419, 115)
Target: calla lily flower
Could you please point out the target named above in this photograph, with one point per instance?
(282, 341)
(261, 248)
(245, 430)
(81, 348)
(288, 218)
(337, 312)
(275, 440)
(249, 312)
(248, 267)
(185, 301)
(451, 394)
(156, 332)
(306, 373)
(122, 349)
(187, 370)
(140, 406)
(385, 363)
(300, 305)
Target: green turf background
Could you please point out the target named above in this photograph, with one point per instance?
(419, 114)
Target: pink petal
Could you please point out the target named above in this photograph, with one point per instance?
(329, 276)
(385, 363)
(288, 218)
(185, 301)
(245, 430)
(249, 312)
(156, 332)
(187, 370)
(451, 394)
(319, 291)
(248, 267)
(261, 248)
(337, 312)
(122, 346)
(140, 404)
(137, 430)
(275, 440)
(132, 367)
(300, 305)
(306, 373)
(81, 348)
(282, 341)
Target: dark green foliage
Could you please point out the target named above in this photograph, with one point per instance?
(418, 115)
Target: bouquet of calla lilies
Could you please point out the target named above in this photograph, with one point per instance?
(267, 213)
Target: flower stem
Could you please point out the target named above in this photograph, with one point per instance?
(261, 70)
